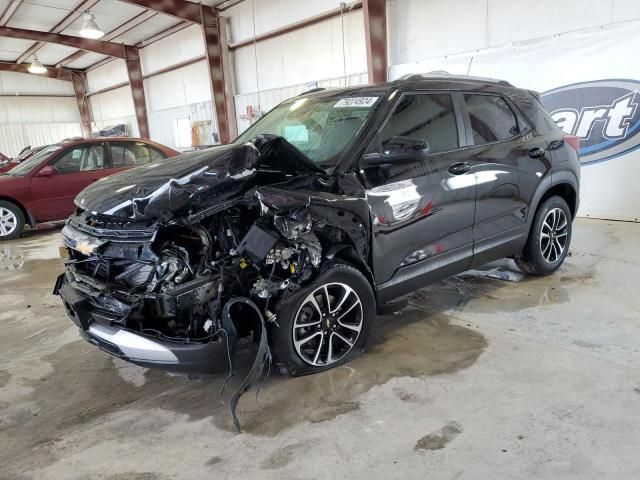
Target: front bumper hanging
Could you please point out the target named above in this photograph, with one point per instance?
(144, 350)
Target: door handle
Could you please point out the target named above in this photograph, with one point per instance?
(537, 152)
(459, 168)
(556, 144)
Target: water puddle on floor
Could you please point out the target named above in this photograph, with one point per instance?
(80, 384)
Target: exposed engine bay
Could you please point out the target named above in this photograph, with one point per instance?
(203, 259)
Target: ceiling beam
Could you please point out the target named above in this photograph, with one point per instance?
(98, 46)
(115, 33)
(57, 73)
(64, 23)
(181, 9)
(9, 11)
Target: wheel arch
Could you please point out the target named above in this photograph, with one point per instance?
(347, 252)
(566, 192)
(28, 216)
(562, 184)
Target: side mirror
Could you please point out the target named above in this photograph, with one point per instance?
(47, 171)
(399, 149)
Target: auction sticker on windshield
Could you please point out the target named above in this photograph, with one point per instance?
(351, 102)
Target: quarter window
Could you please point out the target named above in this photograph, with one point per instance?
(132, 154)
(80, 159)
(491, 118)
(541, 119)
(427, 117)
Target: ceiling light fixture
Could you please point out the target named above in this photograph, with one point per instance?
(36, 66)
(90, 28)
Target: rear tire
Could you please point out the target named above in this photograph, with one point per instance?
(549, 238)
(11, 221)
(324, 324)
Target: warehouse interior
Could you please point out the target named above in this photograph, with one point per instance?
(490, 373)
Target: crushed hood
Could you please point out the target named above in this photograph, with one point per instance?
(168, 185)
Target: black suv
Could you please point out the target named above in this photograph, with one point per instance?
(334, 205)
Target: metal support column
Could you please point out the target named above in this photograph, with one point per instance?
(132, 59)
(375, 29)
(84, 108)
(214, 30)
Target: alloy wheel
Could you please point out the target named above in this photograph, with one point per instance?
(8, 222)
(554, 234)
(327, 324)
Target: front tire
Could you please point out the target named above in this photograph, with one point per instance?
(325, 323)
(549, 238)
(11, 221)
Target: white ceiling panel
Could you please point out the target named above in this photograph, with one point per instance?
(52, 53)
(147, 29)
(41, 15)
(12, 48)
(86, 61)
(109, 15)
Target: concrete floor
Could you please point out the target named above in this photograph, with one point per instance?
(488, 375)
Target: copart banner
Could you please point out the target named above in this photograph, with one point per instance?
(589, 83)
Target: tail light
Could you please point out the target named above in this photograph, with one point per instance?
(573, 141)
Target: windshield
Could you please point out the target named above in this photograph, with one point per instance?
(31, 163)
(320, 128)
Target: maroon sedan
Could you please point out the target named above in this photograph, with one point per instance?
(42, 187)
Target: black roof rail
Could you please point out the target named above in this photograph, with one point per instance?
(444, 75)
(317, 89)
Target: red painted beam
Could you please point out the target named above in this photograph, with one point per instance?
(176, 8)
(98, 46)
(84, 107)
(57, 73)
(215, 49)
(134, 70)
(375, 31)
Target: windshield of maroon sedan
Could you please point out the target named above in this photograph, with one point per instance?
(321, 128)
(31, 163)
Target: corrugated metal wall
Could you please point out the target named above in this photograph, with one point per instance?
(162, 124)
(113, 108)
(14, 137)
(36, 121)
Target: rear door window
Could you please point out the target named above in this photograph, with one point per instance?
(491, 118)
(428, 117)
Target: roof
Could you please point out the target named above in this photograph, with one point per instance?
(436, 81)
(81, 141)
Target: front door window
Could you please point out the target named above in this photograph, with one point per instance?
(80, 159)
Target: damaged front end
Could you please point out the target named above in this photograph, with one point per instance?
(176, 273)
